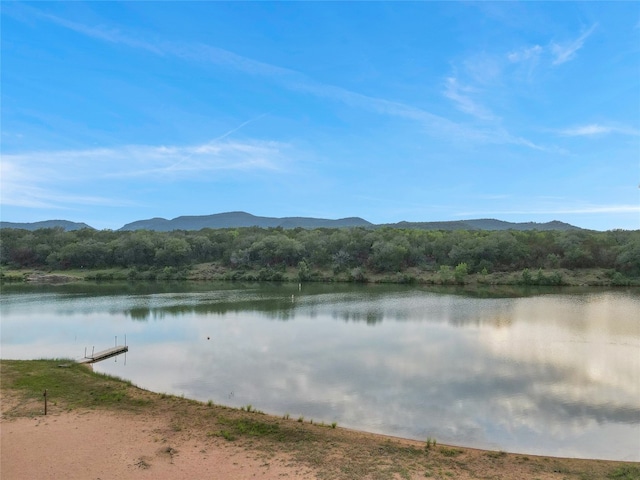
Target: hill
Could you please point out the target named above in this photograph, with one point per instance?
(240, 219)
(243, 219)
(484, 224)
(65, 224)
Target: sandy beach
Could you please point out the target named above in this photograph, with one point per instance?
(102, 445)
(145, 435)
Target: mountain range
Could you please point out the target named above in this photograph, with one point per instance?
(65, 224)
(243, 219)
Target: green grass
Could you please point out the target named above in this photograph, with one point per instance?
(227, 435)
(68, 384)
(450, 452)
(626, 472)
(254, 428)
(498, 454)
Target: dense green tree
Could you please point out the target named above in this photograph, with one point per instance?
(460, 272)
(390, 255)
(173, 252)
(628, 258)
(351, 251)
(276, 249)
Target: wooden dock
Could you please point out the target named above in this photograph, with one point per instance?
(104, 354)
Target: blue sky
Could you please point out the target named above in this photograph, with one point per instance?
(115, 112)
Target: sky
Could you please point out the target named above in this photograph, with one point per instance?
(390, 111)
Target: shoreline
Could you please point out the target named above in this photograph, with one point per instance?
(136, 433)
(146, 445)
(588, 277)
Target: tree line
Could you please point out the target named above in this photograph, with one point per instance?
(353, 250)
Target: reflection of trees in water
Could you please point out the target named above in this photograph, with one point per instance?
(139, 314)
(371, 308)
(371, 317)
(280, 310)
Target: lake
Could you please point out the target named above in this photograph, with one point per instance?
(550, 372)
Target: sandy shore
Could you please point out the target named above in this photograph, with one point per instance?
(105, 445)
(175, 438)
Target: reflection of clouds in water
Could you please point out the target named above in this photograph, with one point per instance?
(413, 381)
(598, 355)
(540, 375)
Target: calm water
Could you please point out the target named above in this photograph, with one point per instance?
(544, 373)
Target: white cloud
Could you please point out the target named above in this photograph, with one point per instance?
(587, 209)
(484, 68)
(493, 196)
(597, 129)
(461, 96)
(35, 179)
(592, 129)
(601, 209)
(525, 54)
(567, 51)
(26, 184)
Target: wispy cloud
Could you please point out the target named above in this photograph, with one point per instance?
(586, 209)
(461, 96)
(434, 124)
(493, 196)
(191, 52)
(525, 54)
(526, 60)
(595, 129)
(567, 51)
(531, 55)
(99, 32)
(35, 179)
(127, 160)
(36, 186)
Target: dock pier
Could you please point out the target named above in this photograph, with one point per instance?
(104, 354)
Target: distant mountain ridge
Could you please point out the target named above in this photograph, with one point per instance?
(484, 224)
(243, 219)
(66, 224)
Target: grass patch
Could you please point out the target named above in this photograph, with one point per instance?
(254, 428)
(498, 454)
(68, 384)
(227, 435)
(450, 452)
(625, 472)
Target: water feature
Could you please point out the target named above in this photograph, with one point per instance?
(553, 372)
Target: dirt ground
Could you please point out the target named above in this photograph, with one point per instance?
(177, 439)
(99, 445)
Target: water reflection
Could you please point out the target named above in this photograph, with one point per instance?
(546, 374)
